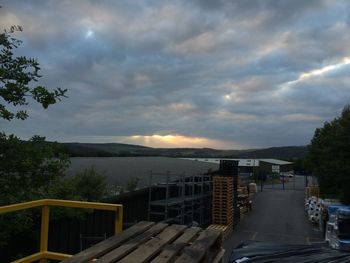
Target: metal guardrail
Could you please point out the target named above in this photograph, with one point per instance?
(45, 204)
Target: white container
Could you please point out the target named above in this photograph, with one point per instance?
(253, 188)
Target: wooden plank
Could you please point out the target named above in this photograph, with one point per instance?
(211, 254)
(148, 250)
(219, 256)
(170, 251)
(109, 244)
(132, 244)
(197, 251)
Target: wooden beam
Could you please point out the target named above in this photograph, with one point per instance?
(148, 250)
(197, 251)
(109, 244)
(133, 244)
(171, 250)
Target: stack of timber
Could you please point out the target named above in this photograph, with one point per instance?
(222, 210)
(225, 230)
(150, 242)
(312, 190)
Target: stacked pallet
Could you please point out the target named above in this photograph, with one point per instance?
(225, 230)
(236, 211)
(150, 242)
(222, 211)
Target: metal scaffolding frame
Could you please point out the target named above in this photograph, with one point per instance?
(181, 199)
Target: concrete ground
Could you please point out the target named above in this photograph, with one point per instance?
(277, 216)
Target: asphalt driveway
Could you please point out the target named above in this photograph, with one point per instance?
(278, 216)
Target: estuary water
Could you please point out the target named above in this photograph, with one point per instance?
(119, 170)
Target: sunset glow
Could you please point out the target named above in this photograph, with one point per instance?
(218, 74)
(177, 141)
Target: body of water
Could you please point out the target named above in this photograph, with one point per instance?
(119, 170)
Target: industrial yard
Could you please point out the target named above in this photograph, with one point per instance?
(221, 205)
(277, 216)
(174, 131)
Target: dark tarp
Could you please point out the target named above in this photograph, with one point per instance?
(268, 252)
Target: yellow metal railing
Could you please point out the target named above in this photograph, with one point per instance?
(45, 204)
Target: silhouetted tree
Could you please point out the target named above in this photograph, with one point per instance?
(329, 155)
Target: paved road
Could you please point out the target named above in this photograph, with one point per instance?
(277, 216)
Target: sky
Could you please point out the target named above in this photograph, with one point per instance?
(202, 73)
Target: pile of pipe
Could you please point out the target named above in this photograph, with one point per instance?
(313, 209)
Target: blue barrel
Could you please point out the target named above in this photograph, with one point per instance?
(332, 209)
(344, 245)
(344, 212)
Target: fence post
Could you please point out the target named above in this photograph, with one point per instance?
(44, 233)
(119, 220)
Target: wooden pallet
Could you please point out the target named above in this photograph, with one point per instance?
(217, 219)
(226, 230)
(157, 243)
(222, 202)
(222, 220)
(222, 210)
(223, 216)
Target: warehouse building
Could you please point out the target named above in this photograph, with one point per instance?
(249, 166)
(268, 166)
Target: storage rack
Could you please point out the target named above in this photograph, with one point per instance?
(181, 199)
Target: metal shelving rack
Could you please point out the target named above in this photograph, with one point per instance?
(181, 199)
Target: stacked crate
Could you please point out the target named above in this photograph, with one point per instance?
(222, 210)
(225, 230)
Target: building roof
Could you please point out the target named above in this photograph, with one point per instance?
(275, 161)
(242, 162)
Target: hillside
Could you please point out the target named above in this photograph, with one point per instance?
(123, 150)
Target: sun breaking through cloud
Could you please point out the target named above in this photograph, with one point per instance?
(217, 74)
(178, 141)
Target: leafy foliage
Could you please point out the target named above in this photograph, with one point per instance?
(27, 169)
(87, 185)
(329, 155)
(132, 183)
(27, 172)
(16, 73)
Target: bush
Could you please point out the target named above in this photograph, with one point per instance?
(329, 155)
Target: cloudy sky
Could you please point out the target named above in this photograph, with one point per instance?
(224, 74)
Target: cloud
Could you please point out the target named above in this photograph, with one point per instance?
(209, 73)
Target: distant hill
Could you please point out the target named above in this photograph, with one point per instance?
(119, 149)
(285, 152)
